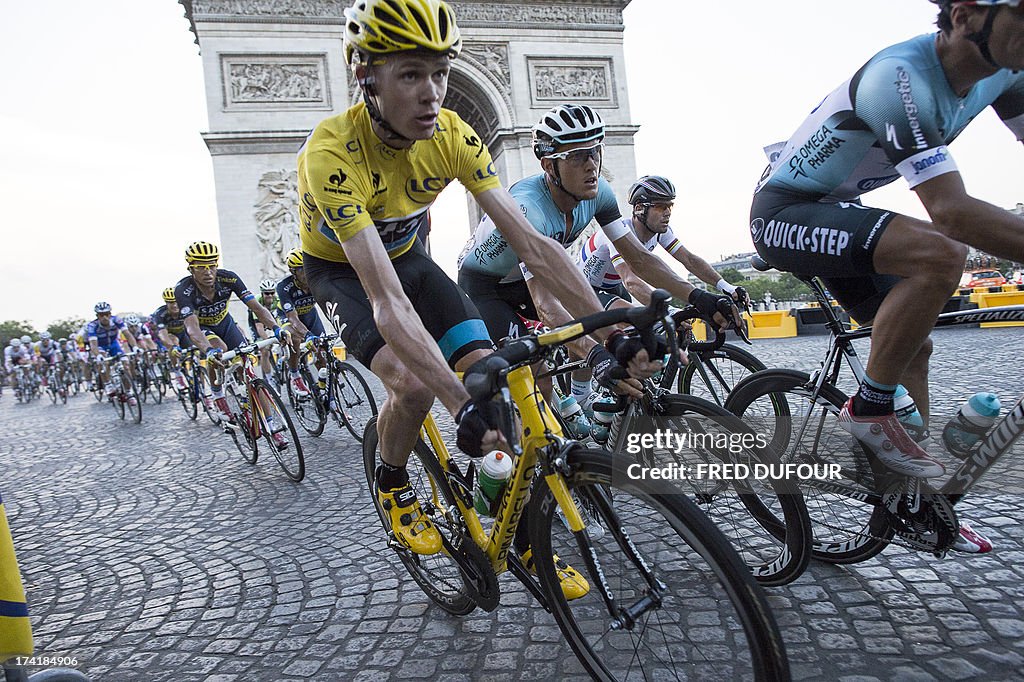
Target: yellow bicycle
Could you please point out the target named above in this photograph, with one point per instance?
(669, 599)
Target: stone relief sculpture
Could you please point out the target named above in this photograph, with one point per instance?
(277, 221)
(570, 82)
(493, 57)
(271, 82)
(297, 8)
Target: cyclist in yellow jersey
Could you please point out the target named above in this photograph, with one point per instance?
(367, 178)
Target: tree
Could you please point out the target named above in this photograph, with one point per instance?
(12, 328)
(66, 327)
(732, 275)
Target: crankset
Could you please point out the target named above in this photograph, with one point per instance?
(481, 580)
(923, 518)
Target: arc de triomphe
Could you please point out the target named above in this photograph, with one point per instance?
(274, 68)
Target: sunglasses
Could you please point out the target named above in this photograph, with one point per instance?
(578, 157)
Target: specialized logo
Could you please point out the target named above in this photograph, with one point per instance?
(425, 190)
(757, 229)
(910, 107)
(890, 137)
(824, 240)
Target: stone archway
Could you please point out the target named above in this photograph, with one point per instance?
(274, 69)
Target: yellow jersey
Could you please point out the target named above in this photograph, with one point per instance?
(350, 180)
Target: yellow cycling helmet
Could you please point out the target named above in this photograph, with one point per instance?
(384, 26)
(294, 259)
(169, 295)
(202, 253)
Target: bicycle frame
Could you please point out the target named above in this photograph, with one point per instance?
(541, 429)
(1000, 438)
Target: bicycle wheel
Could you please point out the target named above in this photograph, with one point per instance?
(51, 389)
(203, 389)
(711, 375)
(154, 385)
(762, 514)
(133, 400)
(188, 396)
(243, 436)
(309, 409)
(669, 597)
(354, 405)
(438, 575)
(848, 521)
(118, 399)
(274, 421)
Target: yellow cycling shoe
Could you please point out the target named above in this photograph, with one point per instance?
(411, 527)
(573, 584)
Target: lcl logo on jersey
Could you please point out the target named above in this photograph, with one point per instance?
(423, 191)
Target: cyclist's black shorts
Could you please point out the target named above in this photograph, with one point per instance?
(503, 306)
(228, 332)
(447, 313)
(609, 296)
(834, 241)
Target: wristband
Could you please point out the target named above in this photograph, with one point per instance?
(277, 332)
(725, 287)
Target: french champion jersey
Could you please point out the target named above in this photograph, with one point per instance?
(210, 313)
(598, 257)
(487, 252)
(350, 180)
(893, 118)
(104, 336)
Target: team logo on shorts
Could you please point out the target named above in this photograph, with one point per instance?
(757, 229)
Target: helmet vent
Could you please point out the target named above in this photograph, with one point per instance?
(442, 22)
(421, 20)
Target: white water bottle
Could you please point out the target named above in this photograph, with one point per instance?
(604, 411)
(321, 378)
(495, 470)
(908, 414)
(574, 417)
(970, 423)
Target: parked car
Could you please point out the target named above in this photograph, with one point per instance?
(982, 278)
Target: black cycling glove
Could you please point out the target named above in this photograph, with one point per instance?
(474, 420)
(606, 370)
(708, 304)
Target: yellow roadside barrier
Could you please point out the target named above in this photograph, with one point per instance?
(15, 629)
(997, 299)
(770, 324)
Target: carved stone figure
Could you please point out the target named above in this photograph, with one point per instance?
(275, 82)
(277, 224)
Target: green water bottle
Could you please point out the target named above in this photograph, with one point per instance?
(495, 470)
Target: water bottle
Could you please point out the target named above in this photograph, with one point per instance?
(908, 414)
(495, 470)
(321, 378)
(970, 423)
(572, 415)
(604, 411)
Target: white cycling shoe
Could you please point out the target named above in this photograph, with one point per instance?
(886, 437)
(971, 541)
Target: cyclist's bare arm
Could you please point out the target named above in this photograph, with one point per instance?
(697, 265)
(978, 223)
(545, 257)
(261, 313)
(196, 334)
(300, 329)
(398, 322)
(639, 289)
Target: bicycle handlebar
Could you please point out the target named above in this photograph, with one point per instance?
(247, 349)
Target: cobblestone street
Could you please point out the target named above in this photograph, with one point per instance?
(154, 552)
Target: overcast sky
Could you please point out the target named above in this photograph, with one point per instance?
(104, 177)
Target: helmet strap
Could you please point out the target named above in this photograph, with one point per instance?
(556, 178)
(980, 38)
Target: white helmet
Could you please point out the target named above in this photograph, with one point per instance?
(15, 343)
(26, 339)
(44, 336)
(267, 286)
(566, 124)
(131, 320)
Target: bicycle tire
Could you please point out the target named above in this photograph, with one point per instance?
(136, 412)
(724, 368)
(765, 519)
(848, 527)
(701, 581)
(355, 405)
(203, 389)
(294, 466)
(244, 437)
(117, 402)
(155, 385)
(187, 397)
(438, 575)
(309, 410)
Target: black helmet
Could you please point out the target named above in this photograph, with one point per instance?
(651, 189)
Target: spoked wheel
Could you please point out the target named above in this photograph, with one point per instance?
(848, 521)
(52, 390)
(438, 575)
(353, 403)
(118, 400)
(761, 513)
(711, 375)
(133, 402)
(189, 397)
(154, 387)
(277, 429)
(203, 380)
(684, 606)
(244, 436)
(308, 409)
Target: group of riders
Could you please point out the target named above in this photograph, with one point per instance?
(364, 215)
